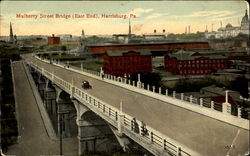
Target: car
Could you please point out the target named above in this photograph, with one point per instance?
(86, 85)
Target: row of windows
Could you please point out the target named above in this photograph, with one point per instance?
(131, 58)
(127, 69)
(195, 71)
(202, 61)
(202, 65)
(129, 63)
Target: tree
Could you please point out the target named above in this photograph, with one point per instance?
(240, 84)
(64, 48)
(153, 79)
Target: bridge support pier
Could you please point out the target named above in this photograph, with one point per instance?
(62, 115)
(49, 97)
(41, 85)
(93, 132)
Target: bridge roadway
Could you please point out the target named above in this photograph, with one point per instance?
(33, 139)
(199, 133)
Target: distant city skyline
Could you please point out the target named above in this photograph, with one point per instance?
(174, 17)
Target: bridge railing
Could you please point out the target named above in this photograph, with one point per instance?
(190, 103)
(114, 116)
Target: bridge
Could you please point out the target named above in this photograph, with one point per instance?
(173, 126)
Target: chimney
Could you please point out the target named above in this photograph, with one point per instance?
(155, 31)
(53, 35)
(163, 30)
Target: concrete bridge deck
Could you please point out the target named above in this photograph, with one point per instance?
(198, 132)
(33, 138)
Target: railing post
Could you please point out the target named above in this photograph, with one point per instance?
(226, 108)
(174, 94)
(159, 90)
(239, 112)
(147, 86)
(109, 111)
(133, 83)
(81, 67)
(191, 99)
(212, 105)
(166, 92)
(201, 101)
(53, 75)
(182, 96)
(153, 89)
(120, 119)
(43, 71)
(178, 151)
(152, 137)
(164, 144)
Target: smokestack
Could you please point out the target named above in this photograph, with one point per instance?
(189, 29)
(155, 31)
(53, 35)
(185, 30)
(163, 31)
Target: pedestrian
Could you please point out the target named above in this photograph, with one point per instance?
(144, 130)
(102, 76)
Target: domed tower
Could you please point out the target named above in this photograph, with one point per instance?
(245, 24)
(245, 20)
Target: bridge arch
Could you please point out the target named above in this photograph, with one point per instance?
(94, 133)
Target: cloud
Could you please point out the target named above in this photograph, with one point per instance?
(139, 11)
(156, 15)
(215, 13)
(137, 27)
(211, 14)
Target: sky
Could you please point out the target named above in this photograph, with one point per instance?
(173, 16)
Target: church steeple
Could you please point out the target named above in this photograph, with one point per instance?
(129, 30)
(11, 34)
(83, 34)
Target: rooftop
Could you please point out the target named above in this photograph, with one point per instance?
(121, 52)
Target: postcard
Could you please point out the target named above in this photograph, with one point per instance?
(124, 78)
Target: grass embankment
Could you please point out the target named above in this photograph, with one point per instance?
(91, 65)
(9, 130)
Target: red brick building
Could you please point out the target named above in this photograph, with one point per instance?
(120, 63)
(193, 63)
(53, 40)
(156, 48)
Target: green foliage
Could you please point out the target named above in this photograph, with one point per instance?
(153, 79)
(198, 35)
(185, 85)
(240, 84)
(91, 65)
(63, 48)
(8, 120)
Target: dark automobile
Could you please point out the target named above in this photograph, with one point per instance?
(86, 85)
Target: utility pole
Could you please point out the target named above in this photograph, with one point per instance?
(60, 134)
